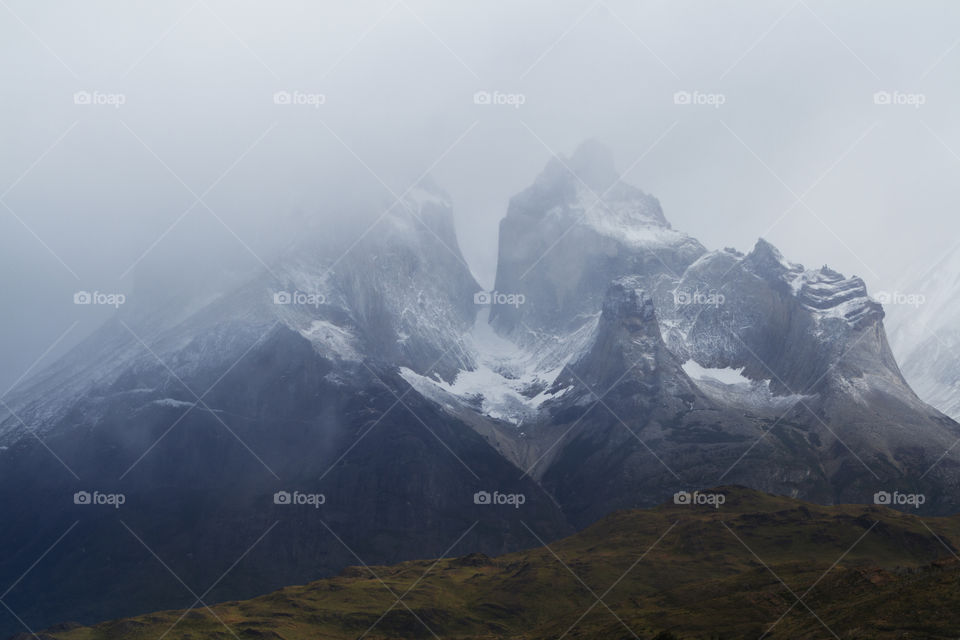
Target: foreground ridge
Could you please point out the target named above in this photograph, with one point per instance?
(739, 564)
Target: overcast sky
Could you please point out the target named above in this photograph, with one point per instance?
(789, 142)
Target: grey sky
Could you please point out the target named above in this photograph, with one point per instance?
(95, 185)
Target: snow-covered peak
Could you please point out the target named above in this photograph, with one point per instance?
(587, 180)
(829, 294)
(824, 292)
(565, 239)
(634, 221)
(585, 190)
(766, 260)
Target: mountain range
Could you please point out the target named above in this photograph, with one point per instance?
(364, 398)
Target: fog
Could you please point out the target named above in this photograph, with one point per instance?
(134, 130)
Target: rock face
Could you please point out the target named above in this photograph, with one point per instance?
(570, 234)
(627, 353)
(817, 335)
(773, 318)
(619, 362)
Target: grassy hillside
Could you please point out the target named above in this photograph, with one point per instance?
(689, 571)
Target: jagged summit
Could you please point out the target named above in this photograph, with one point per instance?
(831, 292)
(766, 259)
(564, 239)
(628, 351)
(796, 319)
(825, 291)
(587, 183)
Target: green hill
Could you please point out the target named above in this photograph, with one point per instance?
(690, 571)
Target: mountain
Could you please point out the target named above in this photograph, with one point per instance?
(287, 382)
(925, 332)
(362, 397)
(675, 367)
(734, 571)
(569, 235)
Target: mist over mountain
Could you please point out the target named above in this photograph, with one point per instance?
(306, 293)
(95, 186)
(924, 331)
(617, 363)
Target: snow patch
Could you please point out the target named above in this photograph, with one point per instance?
(727, 375)
(626, 220)
(172, 402)
(509, 383)
(730, 386)
(330, 340)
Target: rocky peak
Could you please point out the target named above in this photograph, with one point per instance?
(829, 292)
(765, 260)
(587, 182)
(628, 350)
(575, 230)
